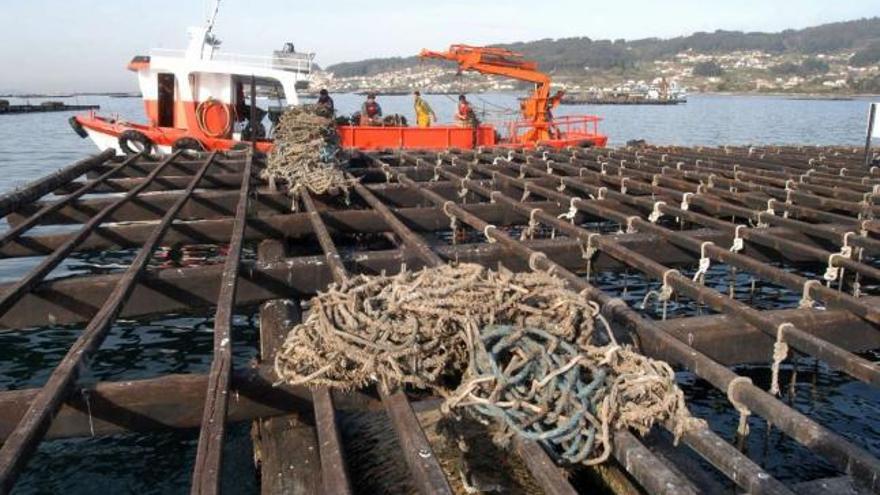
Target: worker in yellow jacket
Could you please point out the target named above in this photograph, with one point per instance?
(424, 113)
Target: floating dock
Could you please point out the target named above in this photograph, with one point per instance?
(666, 213)
(49, 106)
(586, 100)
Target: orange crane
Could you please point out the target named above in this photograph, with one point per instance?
(502, 62)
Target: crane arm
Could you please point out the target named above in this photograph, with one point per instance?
(502, 62)
(495, 61)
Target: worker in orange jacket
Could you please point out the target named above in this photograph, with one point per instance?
(371, 112)
(465, 115)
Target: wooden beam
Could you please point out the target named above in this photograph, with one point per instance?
(273, 226)
(173, 401)
(74, 300)
(285, 447)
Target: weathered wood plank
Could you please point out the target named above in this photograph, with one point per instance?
(286, 446)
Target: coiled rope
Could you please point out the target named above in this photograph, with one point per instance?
(518, 349)
(305, 153)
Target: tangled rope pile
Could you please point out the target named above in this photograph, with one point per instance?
(305, 153)
(516, 348)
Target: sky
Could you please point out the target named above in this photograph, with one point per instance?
(84, 45)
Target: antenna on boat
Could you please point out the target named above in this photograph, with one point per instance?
(213, 17)
(203, 42)
(210, 39)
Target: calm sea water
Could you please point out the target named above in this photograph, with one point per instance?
(35, 144)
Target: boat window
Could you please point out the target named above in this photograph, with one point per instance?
(166, 99)
(270, 104)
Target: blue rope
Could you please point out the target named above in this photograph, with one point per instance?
(562, 425)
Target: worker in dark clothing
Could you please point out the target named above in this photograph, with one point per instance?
(371, 112)
(326, 102)
(553, 102)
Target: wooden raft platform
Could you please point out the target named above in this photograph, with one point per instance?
(658, 211)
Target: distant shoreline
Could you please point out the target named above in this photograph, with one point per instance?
(117, 94)
(793, 96)
(789, 95)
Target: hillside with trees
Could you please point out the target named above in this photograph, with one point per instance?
(861, 36)
(805, 53)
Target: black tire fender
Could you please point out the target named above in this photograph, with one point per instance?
(77, 127)
(130, 139)
(188, 144)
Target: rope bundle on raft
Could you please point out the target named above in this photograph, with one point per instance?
(306, 152)
(516, 350)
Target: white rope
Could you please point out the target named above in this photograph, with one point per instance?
(522, 171)
(832, 271)
(602, 168)
(704, 262)
(463, 192)
(744, 412)
(623, 182)
(453, 220)
(710, 181)
(589, 250)
(436, 172)
(737, 245)
(678, 166)
(685, 200)
(526, 193)
(529, 231)
(807, 300)
(656, 213)
(572, 210)
(664, 293)
(549, 166)
(780, 352)
(561, 186)
(630, 229)
(534, 258)
(489, 238)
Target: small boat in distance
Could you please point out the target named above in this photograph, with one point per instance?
(198, 98)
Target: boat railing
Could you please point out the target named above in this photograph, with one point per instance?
(585, 125)
(293, 62)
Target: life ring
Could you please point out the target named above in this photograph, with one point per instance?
(133, 142)
(213, 117)
(77, 127)
(187, 144)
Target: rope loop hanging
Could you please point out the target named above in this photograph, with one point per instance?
(807, 300)
(529, 231)
(742, 428)
(738, 244)
(656, 213)
(685, 200)
(489, 238)
(572, 210)
(780, 352)
(704, 262)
